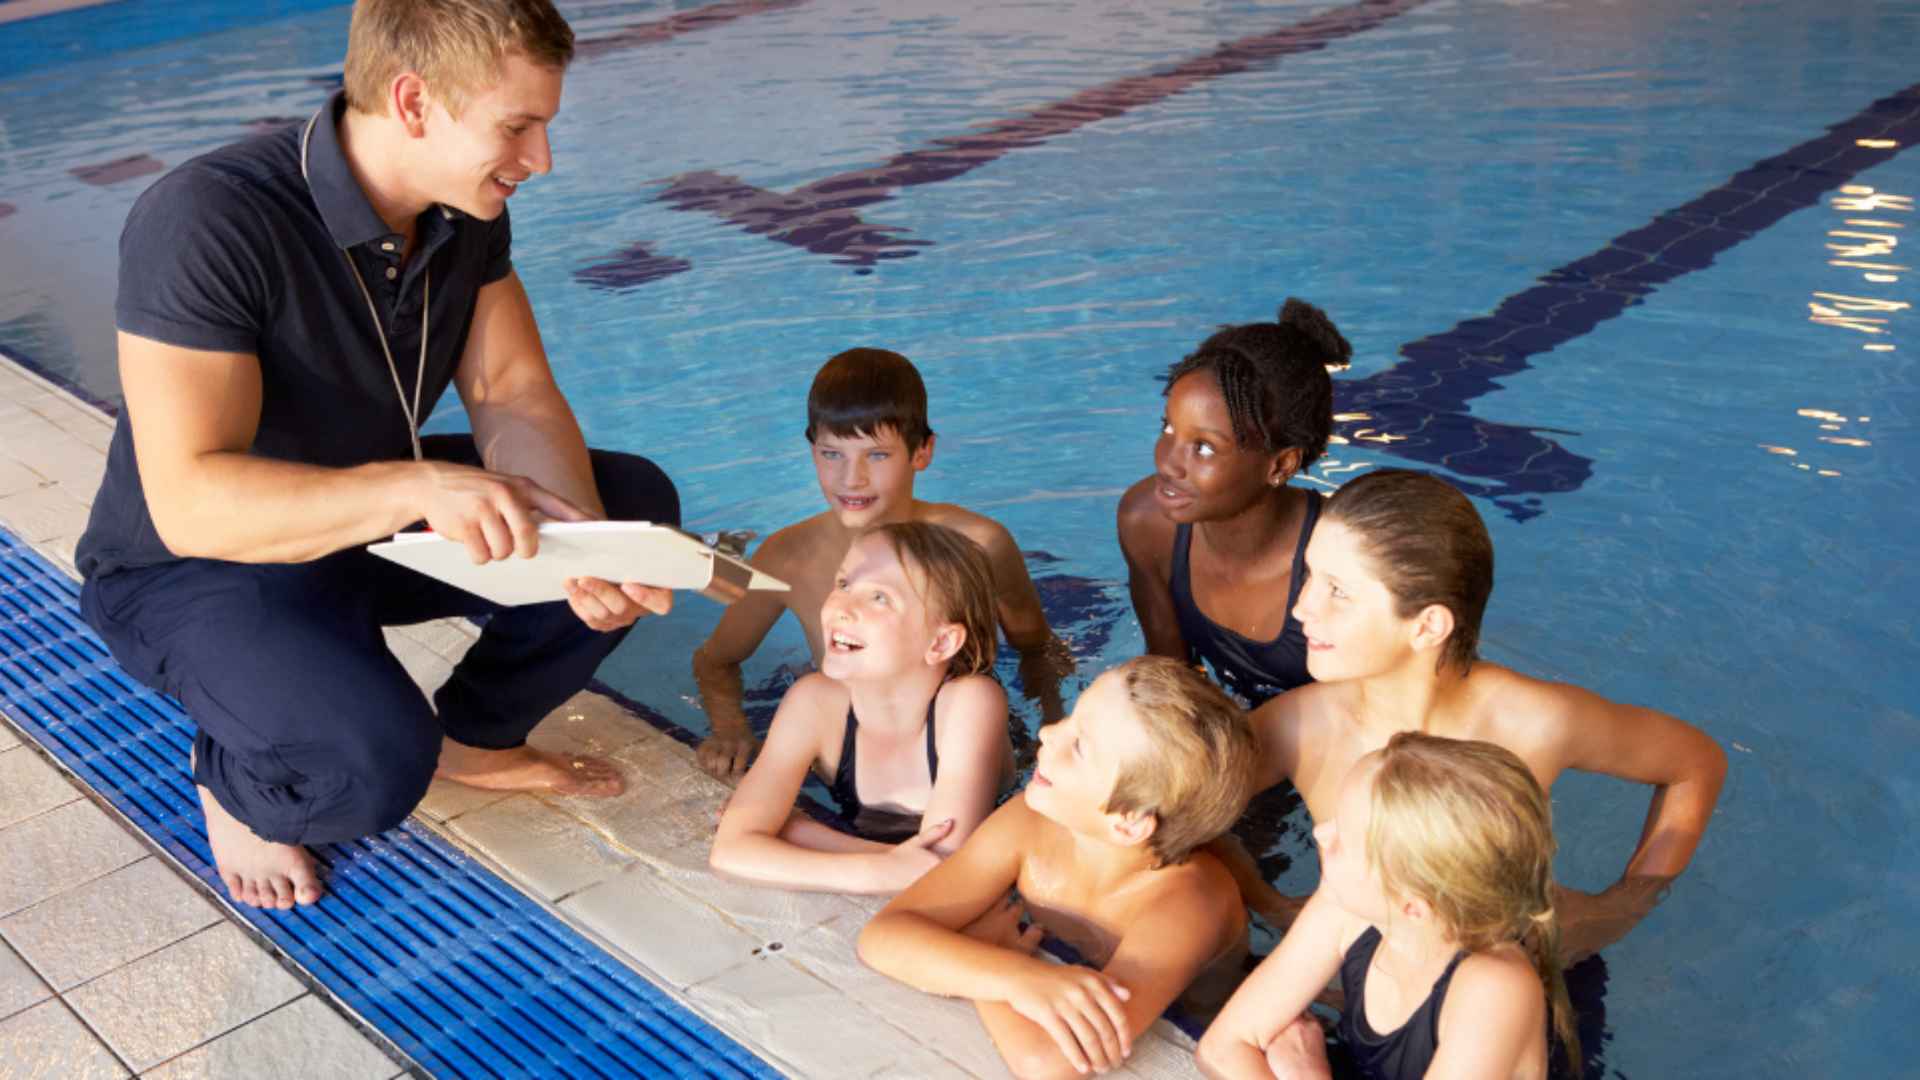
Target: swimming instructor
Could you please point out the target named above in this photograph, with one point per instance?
(290, 307)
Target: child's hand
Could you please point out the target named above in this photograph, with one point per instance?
(1299, 1052)
(1080, 1008)
(917, 854)
(1000, 925)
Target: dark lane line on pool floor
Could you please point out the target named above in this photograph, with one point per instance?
(655, 31)
(1420, 402)
(820, 217)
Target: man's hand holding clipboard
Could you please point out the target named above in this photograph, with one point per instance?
(580, 562)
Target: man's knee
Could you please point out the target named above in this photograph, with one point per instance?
(385, 777)
(635, 489)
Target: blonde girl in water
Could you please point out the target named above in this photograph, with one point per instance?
(1435, 911)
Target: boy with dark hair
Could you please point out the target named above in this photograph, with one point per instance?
(867, 425)
(1105, 850)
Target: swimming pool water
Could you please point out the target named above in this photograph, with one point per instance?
(1707, 503)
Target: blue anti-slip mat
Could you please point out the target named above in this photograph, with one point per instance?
(465, 974)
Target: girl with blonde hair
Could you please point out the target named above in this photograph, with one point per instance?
(1435, 910)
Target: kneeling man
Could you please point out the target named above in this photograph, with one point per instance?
(290, 308)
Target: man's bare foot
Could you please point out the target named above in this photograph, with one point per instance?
(258, 873)
(524, 768)
(726, 754)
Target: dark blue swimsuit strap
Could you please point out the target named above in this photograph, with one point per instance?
(845, 788)
(1406, 1051)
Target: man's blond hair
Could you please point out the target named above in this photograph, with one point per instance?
(456, 46)
(1198, 771)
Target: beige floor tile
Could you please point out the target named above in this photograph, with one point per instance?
(590, 724)
(660, 810)
(545, 851)
(920, 1063)
(43, 513)
(48, 1043)
(19, 986)
(108, 922)
(172, 1001)
(22, 426)
(29, 785)
(16, 477)
(8, 740)
(677, 937)
(57, 850)
(428, 668)
(1165, 1053)
(61, 551)
(804, 1026)
(450, 638)
(951, 1025)
(305, 1040)
(66, 459)
(446, 800)
(75, 417)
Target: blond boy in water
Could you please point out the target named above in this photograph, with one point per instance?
(1102, 850)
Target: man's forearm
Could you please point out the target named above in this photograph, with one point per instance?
(241, 508)
(536, 436)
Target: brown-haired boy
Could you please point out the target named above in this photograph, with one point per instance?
(1103, 849)
(867, 425)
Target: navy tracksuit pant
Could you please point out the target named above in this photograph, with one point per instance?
(310, 731)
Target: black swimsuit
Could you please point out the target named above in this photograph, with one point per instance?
(1403, 1054)
(1254, 670)
(874, 823)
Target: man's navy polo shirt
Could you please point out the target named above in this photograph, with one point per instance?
(234, 252)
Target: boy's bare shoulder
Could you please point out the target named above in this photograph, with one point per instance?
(797, 546)
(979, 528)
(1200, 888)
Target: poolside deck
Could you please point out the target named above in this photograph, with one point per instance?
(114, 961)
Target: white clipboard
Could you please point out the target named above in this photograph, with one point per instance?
(616, 551)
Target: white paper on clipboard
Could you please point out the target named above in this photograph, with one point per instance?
(617, 551)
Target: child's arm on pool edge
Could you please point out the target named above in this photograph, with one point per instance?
(921, 938)
(1275, 995)
(749, 843)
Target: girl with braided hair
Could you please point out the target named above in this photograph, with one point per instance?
(1215, 537)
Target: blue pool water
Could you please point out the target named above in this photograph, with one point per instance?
(1703, 502)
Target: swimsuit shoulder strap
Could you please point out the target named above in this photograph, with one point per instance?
(1178, 582)
(1314, 501)
(933, 752)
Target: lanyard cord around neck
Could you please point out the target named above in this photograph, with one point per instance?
(412, 412)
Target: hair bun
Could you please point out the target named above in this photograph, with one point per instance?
(1312, 323)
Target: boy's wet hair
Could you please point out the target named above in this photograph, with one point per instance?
(862, 392)
(1198, 773)
(956, 580)
(457, 46)
(1428, 545)
(1274, 378)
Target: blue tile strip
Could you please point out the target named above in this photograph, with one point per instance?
(462, 972)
